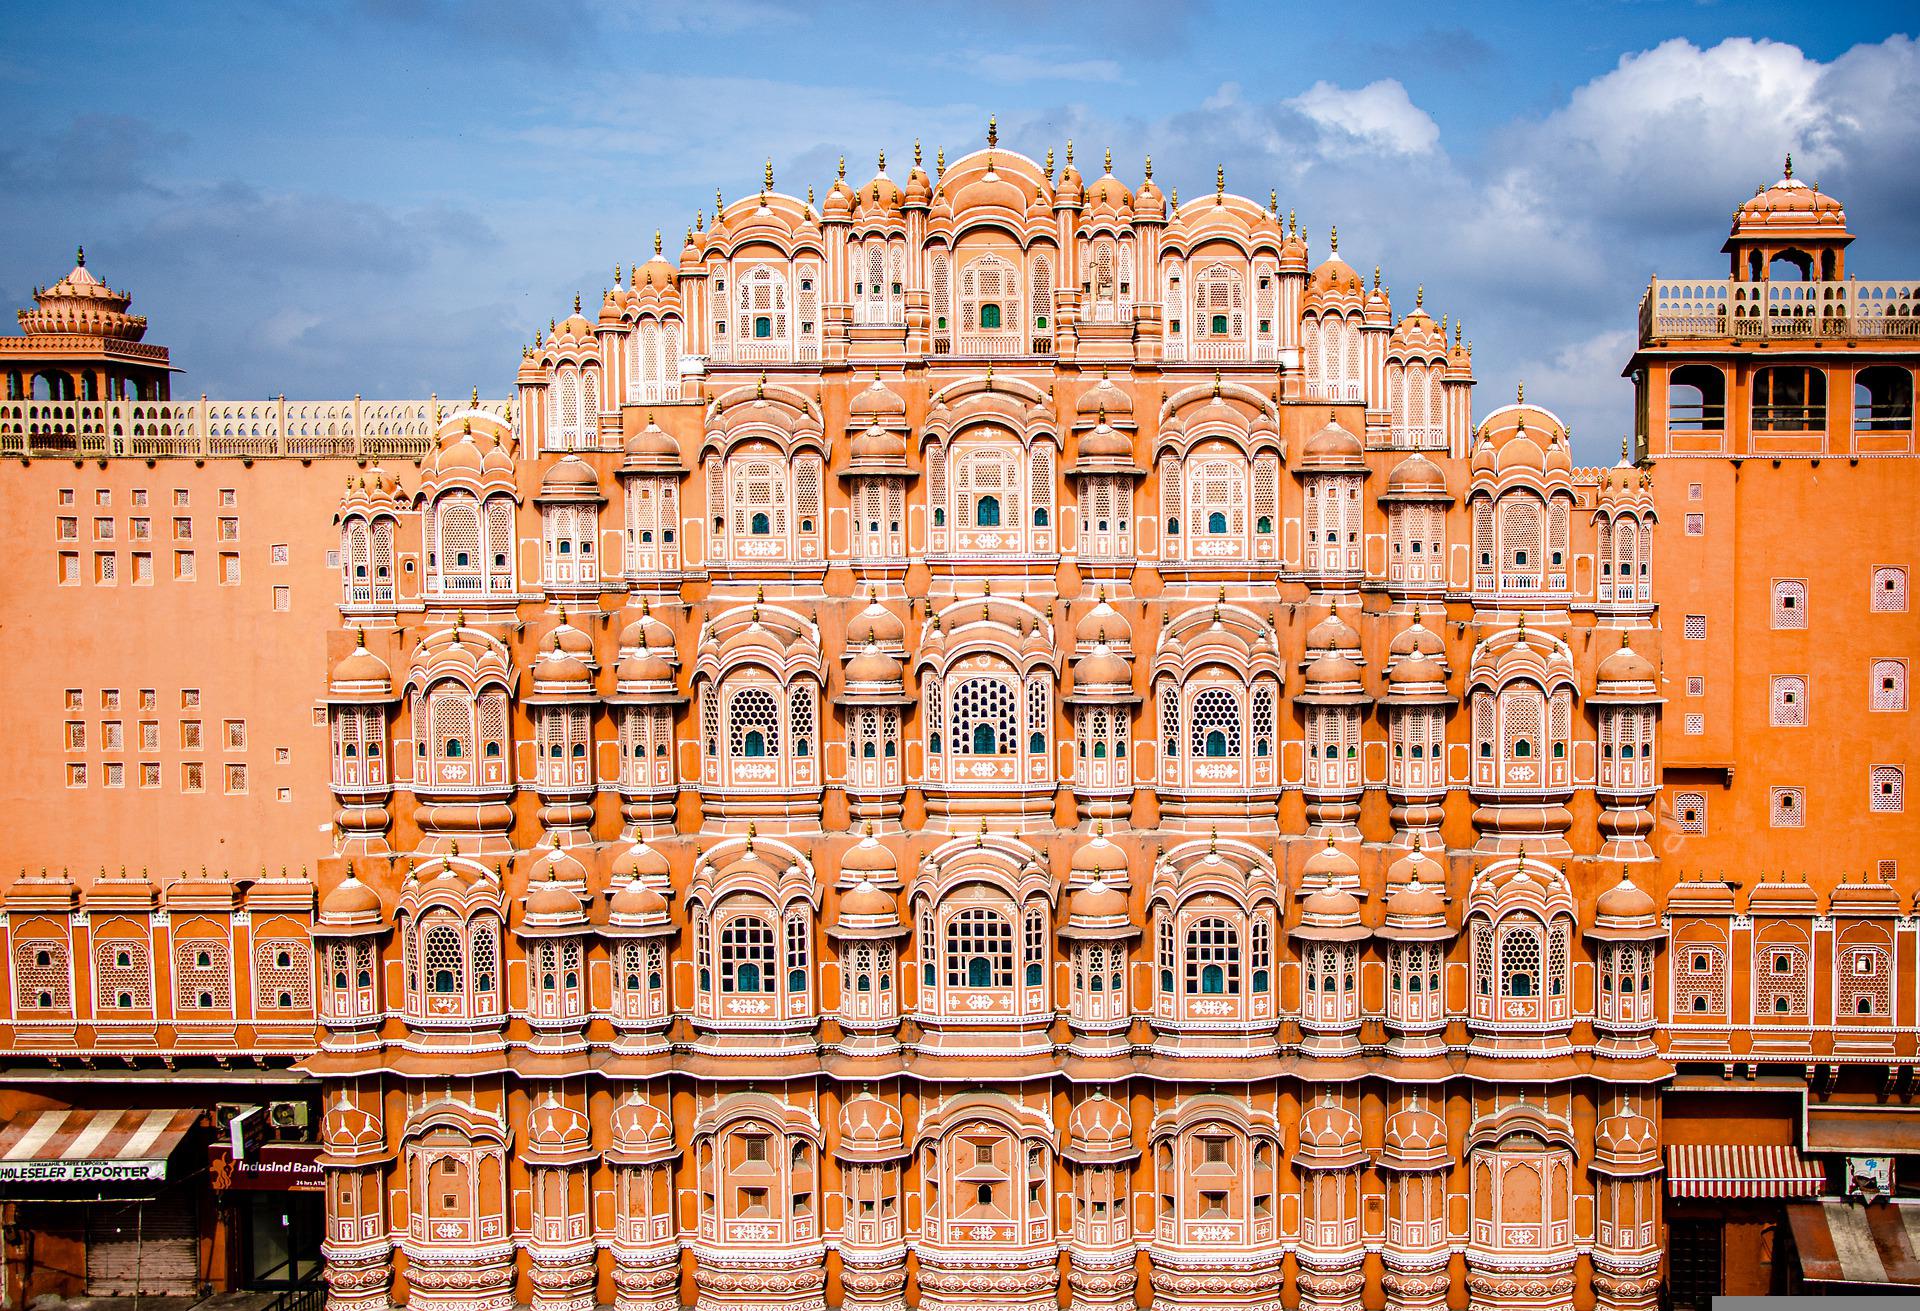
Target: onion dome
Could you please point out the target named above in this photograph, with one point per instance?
(1099, 858)
(653, 450)
(1329, 866)
(641, 1133)
(1104, 401)
(646, 633)
(868, 910)
(1623, 481)
(656, 272)
(876, 403)
(642, 667)
(347, 1130)
(1070, 189)
(559, 671)
(1330, 915)
(919, 190)
(878, 624)
(1627, 676)
(1100, 1132)
(572, 330)
(1866, 898)
(1333, 635)
(1102, 623)
(877, 450)
(1415, 1139)
(1335, 279)
(1416, 912)
(873, 668)
(636, 907)
(82, 305)
(1417, 478)
(571, 478)
(1148, 202)
(1108, 196)
(838, 206)
(1416, 673)
(349, 907)
(1100, 667)
(1417, 639)
(1783, 898)
(1418, 866)
(1330, 1138)
(1626, 1143)
(552, 908)
(1332, 450)
(880, 196)
(1105, 444)
(869, 859)
(1484, 459)
(557, 1134)
(1625, 910)
(1097, 905)
(361, 676)
(558, 865)
(871, 1129)
(640, 861)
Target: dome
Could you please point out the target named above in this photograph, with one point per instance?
(1333, 448)
(350, 900)
(1415, 1136)
(641, 861)
(1096, 902)
(1418, 669)
(877, 445)
(869, 857)
(1100, 857)
(878, 624)
(1625, 900)
(1148, 202)
(1106, 442)
(653, 446)
(870, 1125)
(1416, 910)
(876, 403)
(1335, 277)
(1417, 478)
(1330, 915)
(647, 667)
(880, 195)
(362, 667)
(1417, 639)
(1330, 863)
(551, 904)
(1332, 671)
(1333, 633)
(1417, 865)
(1104, 398)
(1791, 199)
(873, 665)
(1329, 1129)
(82, 305)
(636, 902)
(646, 633)
(641, 1133)
(1100, 1125)
(1101, 623)
(867, 900)
(570, 476)
(1624, 666)
(1101, 668)
(1626, 1138)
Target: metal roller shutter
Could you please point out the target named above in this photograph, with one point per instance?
(147, 1249)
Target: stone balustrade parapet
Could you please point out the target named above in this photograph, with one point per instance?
(211, 429)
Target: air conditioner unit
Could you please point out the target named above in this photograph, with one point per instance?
(287, 1115)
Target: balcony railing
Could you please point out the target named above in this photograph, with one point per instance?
(1216, 351)
(1779, 310)
(1006, 341)
(204, 429)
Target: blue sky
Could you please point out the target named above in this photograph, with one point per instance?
(387, 198)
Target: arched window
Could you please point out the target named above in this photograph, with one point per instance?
(1212, 957)
(753, 723)
(983, 717)
(746, 955)
(1520, 962)
(979, 949)
(1216, 724)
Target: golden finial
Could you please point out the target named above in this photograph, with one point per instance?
(1376, 277)
(916, 152)
(656, 241)
(1456, 335)
(883, 161)
(1149, 168)
(843, 168)
(1273, 203)
(760, 387)
(809, 200)
(1333, 239)
(1293, 224)
(1174, 200)
(1216, 384)
(1789, 163)
(700, 220)
(1049, 163)
(1107, 163)
(1520, 392)
(360, 634)
(980, 838)
(80, 252)
(1419, 292)
(766, 177)
(576, 302)
(993, 130)
(940, 162)
(1069, 152)
(750, 833)
(718, 204)
(1219, 182)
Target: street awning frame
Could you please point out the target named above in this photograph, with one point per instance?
(1733, 1170)
(55, 1148)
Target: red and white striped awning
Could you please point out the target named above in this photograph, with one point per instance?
(91, 1146)
(1741, 1170)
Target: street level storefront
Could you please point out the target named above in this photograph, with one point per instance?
(273, 1194)
(105, 1202)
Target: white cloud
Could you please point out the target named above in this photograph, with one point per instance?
(1378, 116)
(1038, 66)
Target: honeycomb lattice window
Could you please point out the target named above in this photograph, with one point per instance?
(282, 975)
(1789, 603)
(1787, 704)
(1780, 981)
(1865, 984)
(1690, 812)
(202, 975)
(1694, 627)
(1887, 789)
(1696, 685)
(122, 976)
(1887, 689)
(1216, 724)
(753, 723)
(41, 980)
(983, 717)
(1694, 725)
(1787, 808)
(1890, 589)
(1699, 980)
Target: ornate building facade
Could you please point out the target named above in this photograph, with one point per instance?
(998, 739)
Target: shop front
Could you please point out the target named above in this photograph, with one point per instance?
(272, 1194)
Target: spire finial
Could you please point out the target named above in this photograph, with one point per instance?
(1419, 292)
(843, 168)
(656, 241)
(1273, 203)
(993, 129)
(1049, 163)
(916, 152)
(1107, 162)
(1069, 152)
(1333, 239)
(718, 204)
(1789, 163)
(1293, 224)
(766, 176)
(940, 162)
(883, 161)
(80, 252)
(1520, 392)
(576, 302)
(1219, 181)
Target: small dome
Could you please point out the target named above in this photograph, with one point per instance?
(1624, 666)
(1099, 857)
(349, 899)
(1333, 447)
(1101, 668)
(1416, 904)
(1417, 669)
(653, 445)
(641, 861)
(1417, 639)
(1417, 866)
(1333, 633)
(867, 900)
(1329, 1129)
(551, 903)
(1335, 276)
(1626, 1137)
(1104, 397)
(1330, 863)
(1106, 442)
(647, 667)
(1625, 900)
(878, 624)
(1414, 1132)
(873, 665)
(1098, 1124)
(1101, 623)
(1097, 901)
(362, 666)
(871, 1123)
(1332, 671)
(569, 475)
(878, 445)
(1417, 477)
(876, 403)
(636, 902)
(869, 857)
(1789, 198)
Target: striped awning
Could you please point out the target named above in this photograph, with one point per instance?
(1741, 1170)
(91, 1146)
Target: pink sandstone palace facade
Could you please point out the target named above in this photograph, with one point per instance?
(997, 739)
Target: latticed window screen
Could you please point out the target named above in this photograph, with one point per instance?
(989, 280)
(1519, 962)
(202, 974)
(934, 704)
(1220, 302)
(1690, 812)
(500, 533)
(710, 718)
(1266, 494)
(753, 711)
(763, 296)
(1520, 720)
(1520, 536)
(1694, 628)
(807, 303)
(1213, 957)
(1887, 789)
(459, 520)
(806, 496)
(493, 721)
(1780, 980)
(1787, 703)
(1789, 603)
(1865, 983)
(589, 433)
(1263, 724)
(1888, 687)
(797, 951)
(746, 955)
(1786, 807)
(1889, 594)
(1699, 980)
(800, 718)
(983, 717)
(1170, 495)
(1042, 286)
(1041, 486)
(942, 294)
(979, 949)
(1483, 535)
(1557, 533)
(40, 976)
(282, 975)
(1169, 718)
(759, 498)
(443, 961)
(122, 975)
(1483, 723)
(1219, 496)
(1216, 716)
